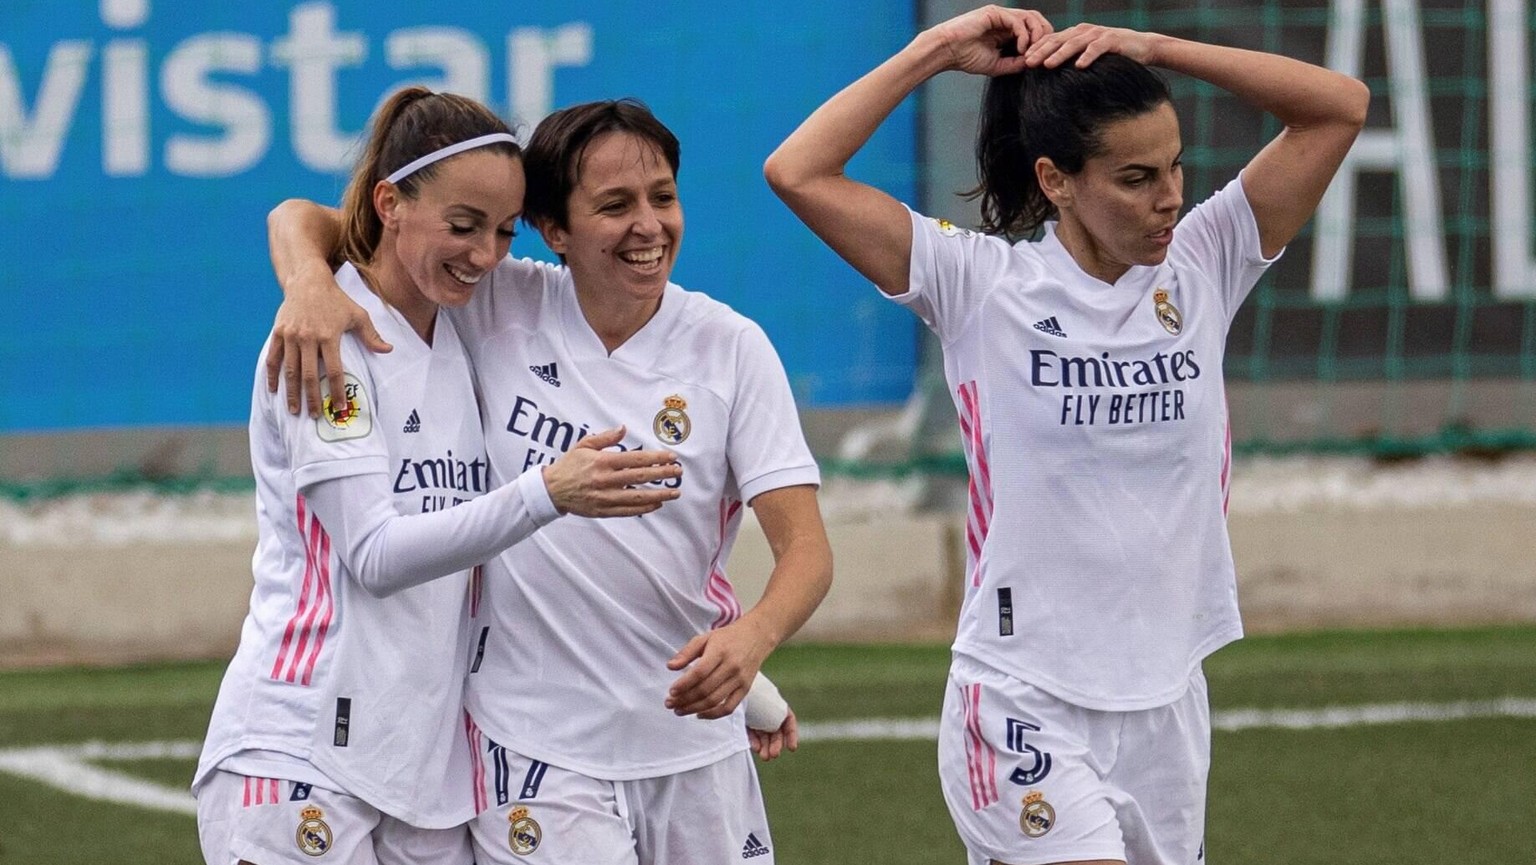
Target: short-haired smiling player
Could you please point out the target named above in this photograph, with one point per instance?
(615, 655)
(338, 730)
(1086, 368)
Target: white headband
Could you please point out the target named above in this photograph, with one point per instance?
(451, 150)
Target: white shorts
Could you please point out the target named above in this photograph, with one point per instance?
(1030, 779)
(270, 820)
(706, 816)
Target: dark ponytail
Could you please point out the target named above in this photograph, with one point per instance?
(1056, 113)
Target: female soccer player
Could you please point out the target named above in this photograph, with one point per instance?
(1086, 367)
(591, 747)
(338, 729)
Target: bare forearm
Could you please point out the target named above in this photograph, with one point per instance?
(304, 240)
(800, 580)
(1301, 95)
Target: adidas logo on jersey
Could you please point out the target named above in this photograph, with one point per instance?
(413, 423)
(1049, 326)
(753, 847)
(548, 372)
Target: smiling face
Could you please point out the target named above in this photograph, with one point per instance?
(1120, 210)
(452, 233)
(623, 225)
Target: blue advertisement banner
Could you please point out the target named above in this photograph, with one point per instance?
(142, 143)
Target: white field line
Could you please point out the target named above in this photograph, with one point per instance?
(890, 729)
(69, 767)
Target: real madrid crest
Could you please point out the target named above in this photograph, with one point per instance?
(525, 834)
(672, 424)
(314, 835)
(1167, 314)
(1038, 816)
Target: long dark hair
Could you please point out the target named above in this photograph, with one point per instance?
(413, 122)
(553, 158)
(1056, 113)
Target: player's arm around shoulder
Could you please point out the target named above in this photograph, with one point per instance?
(304, 241)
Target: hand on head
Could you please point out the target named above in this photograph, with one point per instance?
(1089, 42)
(991, 40)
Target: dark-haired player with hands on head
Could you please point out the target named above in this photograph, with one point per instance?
(1086, 368)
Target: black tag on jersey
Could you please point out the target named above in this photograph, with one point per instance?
(343, 721)
(480, 650)
(300, 792)
(1005, 612)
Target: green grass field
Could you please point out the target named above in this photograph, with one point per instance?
(1458, 791)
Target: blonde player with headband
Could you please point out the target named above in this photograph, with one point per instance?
(616, 656)
(338, 731)
(1086, 370)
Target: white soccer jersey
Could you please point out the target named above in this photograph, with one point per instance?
(1095, 429)
(331, 685)
(578, 621)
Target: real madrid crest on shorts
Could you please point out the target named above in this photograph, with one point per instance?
(314, 836)
(342, 419)
(1167, 314)
(1038, 816)
(525, 834)
(672, 424)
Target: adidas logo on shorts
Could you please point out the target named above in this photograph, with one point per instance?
(1049, 326)
(548, 372)
(413, 423)
(753, 847)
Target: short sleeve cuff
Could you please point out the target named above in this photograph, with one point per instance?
(798, 476)
(306, 476)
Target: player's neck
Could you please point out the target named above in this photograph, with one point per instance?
(615, 320)
(387, 279)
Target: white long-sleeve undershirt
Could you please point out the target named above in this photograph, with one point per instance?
(386, 551)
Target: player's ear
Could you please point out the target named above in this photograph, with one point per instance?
(555, 237)
(1055, 183)
(386, 201)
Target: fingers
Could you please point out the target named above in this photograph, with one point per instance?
(708, 689)
(275, 364)
(689, 653)
(308, 374)
(599, 440)
(330, 352)
(714, 703)
(370, 336)
(791, 730)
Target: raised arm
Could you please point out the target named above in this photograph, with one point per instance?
(1322, 110)
(304, 240)
(725, 661)
(867, 227)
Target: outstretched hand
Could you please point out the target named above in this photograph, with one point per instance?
(1089, 42)
(978, 41)
(306, 333)
(769, 744)
(590, 481)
